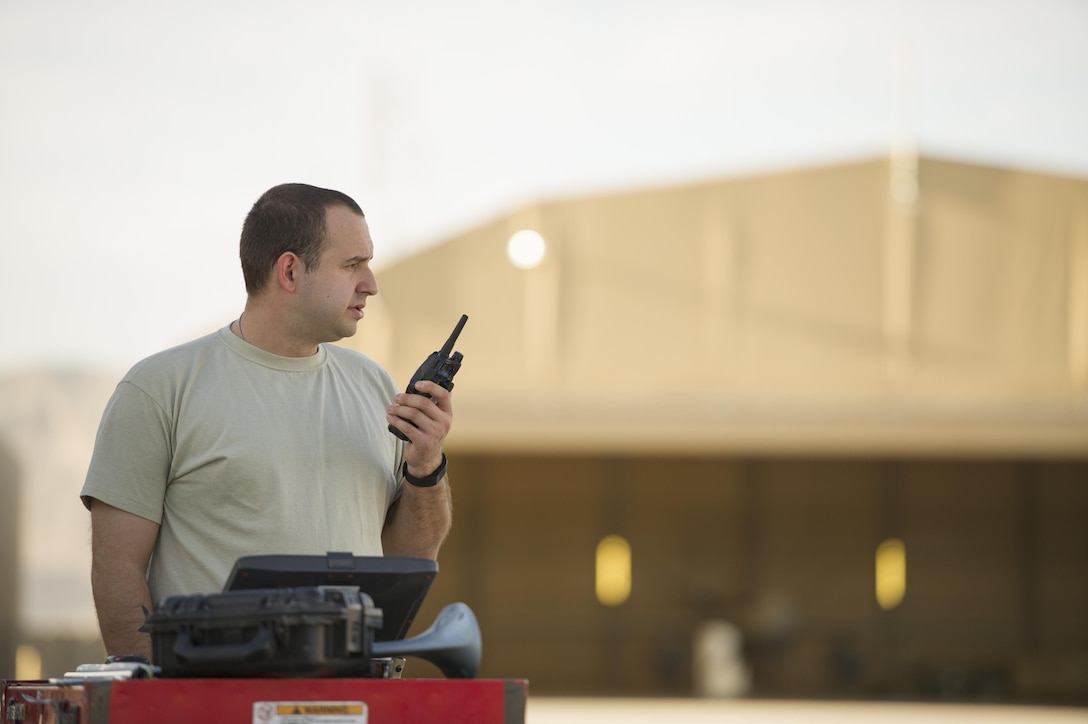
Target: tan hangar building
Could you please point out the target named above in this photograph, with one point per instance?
(757, 382)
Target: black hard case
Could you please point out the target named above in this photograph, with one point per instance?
(312, 631)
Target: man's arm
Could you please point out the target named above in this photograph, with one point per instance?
(420, 521)
(421, 518)
(121, 546)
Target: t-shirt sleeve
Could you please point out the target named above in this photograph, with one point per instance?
(130, 465)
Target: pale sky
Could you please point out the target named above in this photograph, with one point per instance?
(135, 135)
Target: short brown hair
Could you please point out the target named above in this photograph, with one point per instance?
(288, 217)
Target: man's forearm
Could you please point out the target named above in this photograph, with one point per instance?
(120, 598)
(420, 523)
(121, 546)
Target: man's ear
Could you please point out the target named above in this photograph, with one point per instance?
(288, 269)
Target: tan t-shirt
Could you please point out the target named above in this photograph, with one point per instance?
(235, 451)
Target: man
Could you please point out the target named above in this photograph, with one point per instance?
(262, 438)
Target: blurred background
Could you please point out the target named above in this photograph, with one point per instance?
(776, 372)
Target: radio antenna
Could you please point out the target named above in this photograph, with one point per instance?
(448, 346)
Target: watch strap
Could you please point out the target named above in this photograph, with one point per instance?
(427, 481)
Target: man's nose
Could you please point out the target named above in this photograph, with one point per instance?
(368, 284)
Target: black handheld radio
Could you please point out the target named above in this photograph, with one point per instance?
(439, 367)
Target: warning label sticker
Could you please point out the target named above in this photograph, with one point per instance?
(309, 712)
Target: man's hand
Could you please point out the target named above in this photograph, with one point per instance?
(428, 423)
(121, 546)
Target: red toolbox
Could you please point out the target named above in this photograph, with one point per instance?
(266, 701)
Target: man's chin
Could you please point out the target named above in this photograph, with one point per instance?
(335, 334)
(349, 330)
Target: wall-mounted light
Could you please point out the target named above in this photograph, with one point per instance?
(613, 570)
(28, 663)
(526, 249)
(891, 573)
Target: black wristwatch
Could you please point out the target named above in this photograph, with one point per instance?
(427, 481)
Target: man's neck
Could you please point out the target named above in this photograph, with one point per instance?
(263, 328)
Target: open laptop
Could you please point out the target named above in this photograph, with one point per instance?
(397, 585)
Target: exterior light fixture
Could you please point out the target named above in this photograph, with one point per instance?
(613, 570)
(526, 249)
(891, 573)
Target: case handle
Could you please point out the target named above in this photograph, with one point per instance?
(259, 648)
